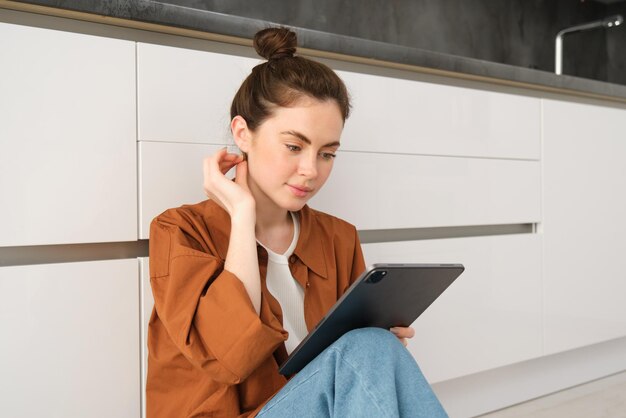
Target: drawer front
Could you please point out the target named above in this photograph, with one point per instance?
(383, 191)
(170, 176)
(414, 117)
(67, 138)
(70, 339)
(372, 191)
(184, 95)
(489, 317)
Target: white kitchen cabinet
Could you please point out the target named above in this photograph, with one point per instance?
(70, 345)
(170, 176)
(401, 115)
(185, 95)
(385, 191)
(489, 317)
(584, 225)
(67, 138)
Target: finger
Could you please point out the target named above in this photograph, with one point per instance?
(410, 332)
(228, 161)
(403, 332)
(212, 161)
(212, 174)
(220, 153)
(217, 165)
(231, 158)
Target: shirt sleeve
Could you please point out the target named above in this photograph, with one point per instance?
(205, 309)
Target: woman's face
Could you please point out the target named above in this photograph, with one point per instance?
(290, 155)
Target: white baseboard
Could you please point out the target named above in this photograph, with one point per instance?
(488, 391)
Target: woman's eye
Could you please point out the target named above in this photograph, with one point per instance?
(293, 148)
(327, 155)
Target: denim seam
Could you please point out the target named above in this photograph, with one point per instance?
(365, 388)
(279, 400)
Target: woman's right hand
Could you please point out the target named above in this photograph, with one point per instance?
(233, 196)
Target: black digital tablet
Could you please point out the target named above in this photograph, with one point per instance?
(384, 296)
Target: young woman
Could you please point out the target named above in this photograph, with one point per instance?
(239, 279)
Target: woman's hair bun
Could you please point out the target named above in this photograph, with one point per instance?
(274, 43)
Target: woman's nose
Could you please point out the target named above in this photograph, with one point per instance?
(308, 167)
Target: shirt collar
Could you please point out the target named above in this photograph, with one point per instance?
(310, 248)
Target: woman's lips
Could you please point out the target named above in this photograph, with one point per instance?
(300, 191)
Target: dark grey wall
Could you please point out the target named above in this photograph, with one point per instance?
(517, 32)
(616, 47)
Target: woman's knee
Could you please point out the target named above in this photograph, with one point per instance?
(375, 339)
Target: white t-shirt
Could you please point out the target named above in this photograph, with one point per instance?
(287, 290)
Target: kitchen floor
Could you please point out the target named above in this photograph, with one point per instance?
(603, 398)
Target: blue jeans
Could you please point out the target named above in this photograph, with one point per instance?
(366, 373)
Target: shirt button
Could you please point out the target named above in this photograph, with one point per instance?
(308, 284)
(292, 259)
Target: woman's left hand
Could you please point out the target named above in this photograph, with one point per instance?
(403, 333)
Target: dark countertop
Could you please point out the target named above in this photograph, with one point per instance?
(171, 15)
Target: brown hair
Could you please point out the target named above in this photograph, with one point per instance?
(283, 79)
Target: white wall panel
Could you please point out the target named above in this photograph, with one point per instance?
(584, 224)
(489, 317)
(67, 138)
(70, 345)
(408, 116)
(170, 176)
(185, 95)
(383, 191)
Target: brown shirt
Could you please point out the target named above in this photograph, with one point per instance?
(210, 354)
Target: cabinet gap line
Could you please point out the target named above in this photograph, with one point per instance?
(70, 253)
(416, 234)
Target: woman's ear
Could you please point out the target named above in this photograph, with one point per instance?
(241, 133)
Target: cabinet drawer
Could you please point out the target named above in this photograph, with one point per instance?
(489, 317)
(184, 95)
(67, 138)
(414, 117)
(383, 191)
(170, 176)
(70, 345)
(372, 191)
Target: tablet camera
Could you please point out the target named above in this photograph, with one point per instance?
(376, 276)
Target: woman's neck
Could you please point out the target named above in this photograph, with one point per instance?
(272, 218)
(274, 230)
(274, 226)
